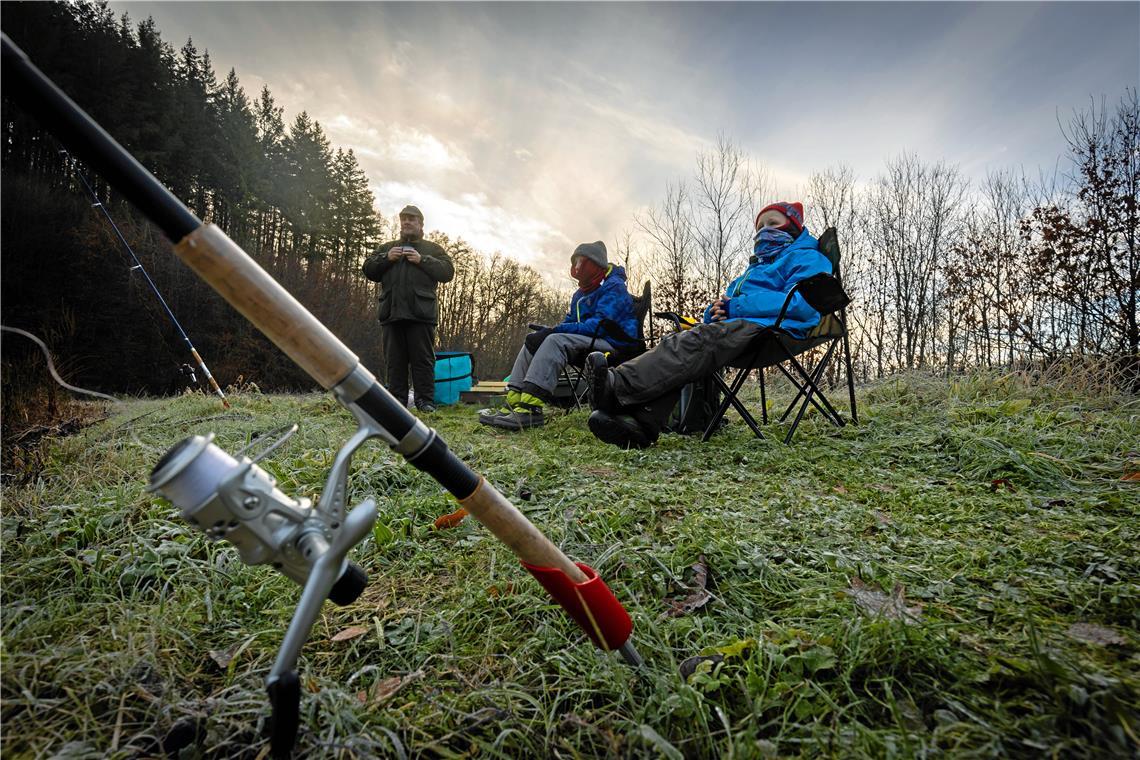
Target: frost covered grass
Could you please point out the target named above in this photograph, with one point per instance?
(956, 576)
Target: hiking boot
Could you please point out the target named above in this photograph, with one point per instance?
(620, 430)
(426, 407)
(519, 418)
(600, 383)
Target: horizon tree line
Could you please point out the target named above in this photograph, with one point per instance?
(945, 274)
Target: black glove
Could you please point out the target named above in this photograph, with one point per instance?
(534, 340)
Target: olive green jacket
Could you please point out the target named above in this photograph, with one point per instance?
(407, 290)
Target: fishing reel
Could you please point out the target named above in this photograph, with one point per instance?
(233, 499)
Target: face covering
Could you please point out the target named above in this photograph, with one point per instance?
(770, 240)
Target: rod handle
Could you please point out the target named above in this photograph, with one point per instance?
(248, 288)
(510, 526)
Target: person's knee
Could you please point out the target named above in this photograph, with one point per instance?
(553, 346)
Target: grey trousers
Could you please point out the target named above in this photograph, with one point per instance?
(543, 366)
(681, 358)
(410, 343)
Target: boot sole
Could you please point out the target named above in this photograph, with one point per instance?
(505, 424)
(608, 430)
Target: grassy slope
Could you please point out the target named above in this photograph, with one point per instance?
(116, 616)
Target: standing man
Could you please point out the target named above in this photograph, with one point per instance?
(409, 270)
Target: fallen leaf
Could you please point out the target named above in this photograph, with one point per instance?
(700, 595)
(350, 633)
(1090, 633)
(223, 657)
(1002, 482)
(881, 519)
(737, 648)
(495, 592)
(450, 520)
(873, 602)
(1133, 476)
(386, 688)
(839, 489)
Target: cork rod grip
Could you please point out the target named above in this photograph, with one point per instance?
(249, 289)
(491, 508)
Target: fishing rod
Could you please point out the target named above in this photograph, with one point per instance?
(235, 499)
(139, 266)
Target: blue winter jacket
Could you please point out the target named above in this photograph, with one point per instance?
(611, 300)
(758, 294)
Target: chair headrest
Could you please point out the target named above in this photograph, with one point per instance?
(829, 247)
(641, 303)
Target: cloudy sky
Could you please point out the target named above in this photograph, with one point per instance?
(529, 127)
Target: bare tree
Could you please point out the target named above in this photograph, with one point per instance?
(723, 201)
(831, 203)
(913, 216)
(669, 230)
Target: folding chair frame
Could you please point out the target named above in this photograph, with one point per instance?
(825, 294)
(573, 372)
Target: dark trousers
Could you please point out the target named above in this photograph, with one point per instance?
(650, 384)
(412, 344)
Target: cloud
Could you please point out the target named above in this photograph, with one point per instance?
(526, 129)
(487, 226)
(418, 149)
(396, 61)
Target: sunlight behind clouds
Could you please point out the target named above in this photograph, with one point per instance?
(487, 226)
(398, 143)
(526, 128)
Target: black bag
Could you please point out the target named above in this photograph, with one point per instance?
(696, 407)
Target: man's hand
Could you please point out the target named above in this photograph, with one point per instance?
(720, 309)
(535, 339)
(412, 255)
(395, 252)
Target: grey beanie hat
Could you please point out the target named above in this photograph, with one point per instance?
(595, 252)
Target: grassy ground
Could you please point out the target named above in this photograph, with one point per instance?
(955, 576)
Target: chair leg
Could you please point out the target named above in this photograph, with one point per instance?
(801, 388)
(730, 398)
(739, 406)
(572, 385)
(810, 382)
(763, 398)
(847, 367)
(720, 410)
(816, 376)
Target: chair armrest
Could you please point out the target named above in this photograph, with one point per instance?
(822, 292)
(608, 327)
(535, 326)
(673, 317)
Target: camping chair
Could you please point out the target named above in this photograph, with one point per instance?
(775, 347)
(574, 372)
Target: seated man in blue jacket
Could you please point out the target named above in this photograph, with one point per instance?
(632, 402)
(601, 302)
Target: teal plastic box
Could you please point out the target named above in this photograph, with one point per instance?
(452, 375)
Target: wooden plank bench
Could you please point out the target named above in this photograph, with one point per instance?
(483, 392)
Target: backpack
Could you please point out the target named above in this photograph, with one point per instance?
(696, 407)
